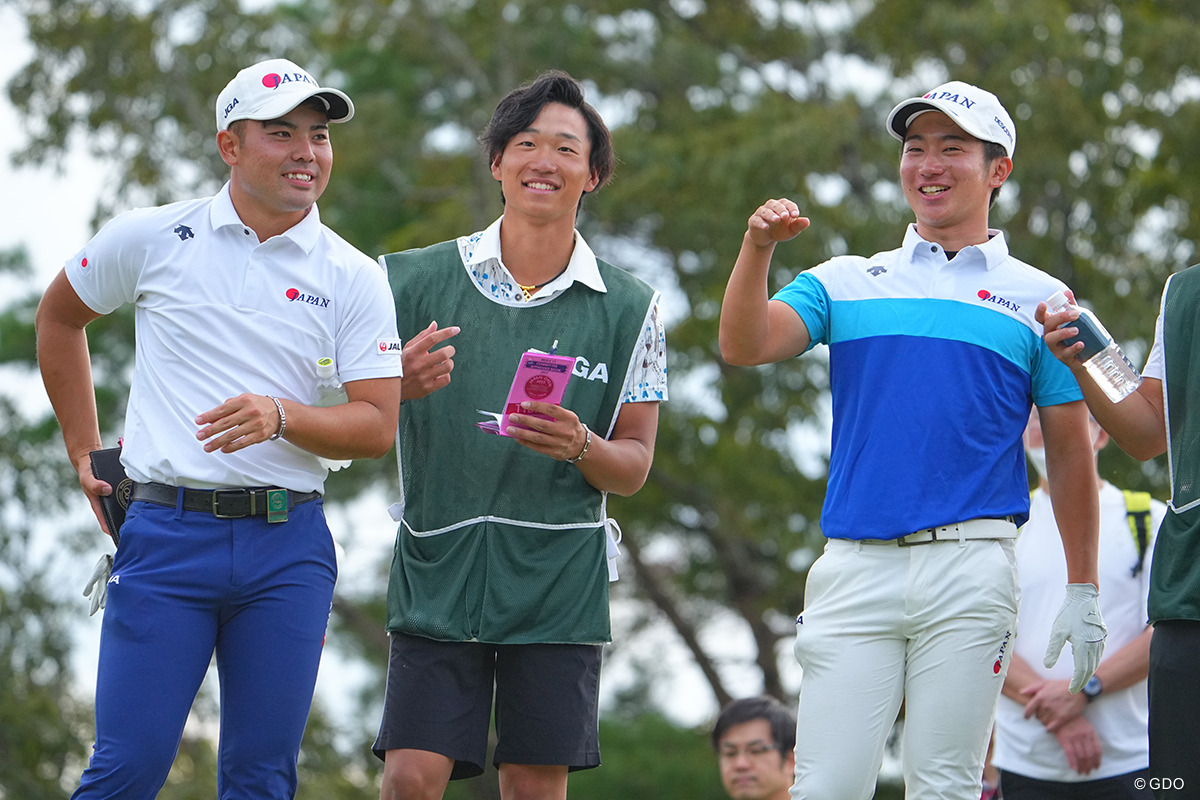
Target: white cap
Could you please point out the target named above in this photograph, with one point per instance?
(1057, 301)
(977, 112)
(325, 368)
(272, 88)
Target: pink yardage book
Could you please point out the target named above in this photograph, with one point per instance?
(540, 376)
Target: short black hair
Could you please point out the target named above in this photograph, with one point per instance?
(781, 719)
(992, 151)
(517, 111)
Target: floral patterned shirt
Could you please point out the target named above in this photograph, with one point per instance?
(647, 381)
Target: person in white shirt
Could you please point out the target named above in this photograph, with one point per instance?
(225, 549)
(1092, 745)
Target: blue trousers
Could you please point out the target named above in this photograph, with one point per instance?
(186, 585)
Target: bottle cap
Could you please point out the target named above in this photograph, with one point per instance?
(325, 367)
(1057, 300)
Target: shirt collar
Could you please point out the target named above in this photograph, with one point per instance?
(303, 234)
(994, 251)
(485, 245)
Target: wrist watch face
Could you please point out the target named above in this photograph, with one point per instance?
(1091, 689)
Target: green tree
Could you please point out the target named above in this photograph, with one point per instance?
(1106, 123)
(40, 720)
(715, 107)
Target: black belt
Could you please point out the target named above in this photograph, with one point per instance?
(221, 503)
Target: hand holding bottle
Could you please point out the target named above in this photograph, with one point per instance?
(1102, 357)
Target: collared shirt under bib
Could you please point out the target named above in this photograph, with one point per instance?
(499, 543)
(1175, 582)
(218, 314)
(933, 366)
(481, 256)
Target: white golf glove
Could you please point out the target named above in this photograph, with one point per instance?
(97, 585)
(1078, 621)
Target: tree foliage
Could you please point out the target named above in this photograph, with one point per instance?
(40, 720)
(715, 107)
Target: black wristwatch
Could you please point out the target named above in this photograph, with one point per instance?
(1093, 688)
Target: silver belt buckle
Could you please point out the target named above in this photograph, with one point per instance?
(216, 504)
(933, 537)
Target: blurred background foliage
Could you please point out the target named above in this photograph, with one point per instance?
(715, 107)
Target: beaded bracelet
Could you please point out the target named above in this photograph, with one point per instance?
(283, 420)
(586, 444)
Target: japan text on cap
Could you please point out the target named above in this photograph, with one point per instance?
(977, 112)
(272, 88)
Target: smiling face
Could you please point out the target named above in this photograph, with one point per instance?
(278, 167)
(545, 169)
(948, 182)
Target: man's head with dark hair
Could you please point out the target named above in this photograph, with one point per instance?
(777, 715)
(754, 739)
(518, 110)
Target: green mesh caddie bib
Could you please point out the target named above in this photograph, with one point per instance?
(1175, 573)
(498, 543)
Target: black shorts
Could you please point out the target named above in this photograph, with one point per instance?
(439, 698)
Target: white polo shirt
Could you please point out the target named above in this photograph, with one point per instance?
(1120, 717)
(219, 314)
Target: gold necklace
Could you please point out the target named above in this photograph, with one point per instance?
(530, 291)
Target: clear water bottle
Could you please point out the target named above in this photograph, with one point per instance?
(330, 392)
(1101, 356)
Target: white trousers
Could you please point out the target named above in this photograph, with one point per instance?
(932, 625)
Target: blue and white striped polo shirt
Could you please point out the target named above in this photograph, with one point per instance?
(933, 366)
